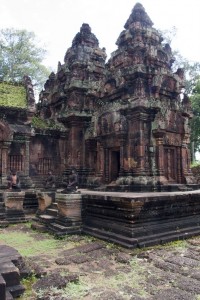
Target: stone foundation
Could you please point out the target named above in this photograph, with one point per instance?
(138, 220)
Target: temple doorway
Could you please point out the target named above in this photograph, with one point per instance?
(170, 164)
(114, 165)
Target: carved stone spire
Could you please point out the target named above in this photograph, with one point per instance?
(138, 14)
(85, 37)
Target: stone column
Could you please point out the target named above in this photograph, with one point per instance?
(100, 160)
(27, 156)
(179, 175)
(141, 148)
(4, 157)
(159, 152)
(122, 145)
(185, 158)
(160, 156)
(107, 162)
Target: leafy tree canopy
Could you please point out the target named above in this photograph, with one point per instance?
(191, 68)
(20, 55)
(192, 86)
(195, 122)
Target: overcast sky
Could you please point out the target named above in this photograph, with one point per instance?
(56, 22)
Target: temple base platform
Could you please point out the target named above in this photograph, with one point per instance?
(141, 219)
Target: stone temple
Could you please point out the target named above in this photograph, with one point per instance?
(126, 120)
(122, 123)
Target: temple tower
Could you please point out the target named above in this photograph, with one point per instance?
(141, 125)
(71, 95)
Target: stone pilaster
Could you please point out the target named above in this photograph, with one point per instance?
(4, 159)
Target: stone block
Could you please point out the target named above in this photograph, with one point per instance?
(2, 288)
(14, 206)
(69, 206)
(14, 200)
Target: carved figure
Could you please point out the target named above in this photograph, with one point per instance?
(71, 184)
(13, 181)
(50, 181)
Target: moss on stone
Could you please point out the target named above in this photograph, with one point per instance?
(12, 95)
(38, 122)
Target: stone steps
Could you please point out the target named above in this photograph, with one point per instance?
(46, 218)
(8, 296)
(2, 215)
(52, 212)
(10, 286)
(150, 233)
(30, 200)
(16, 290)
(15, 216)
(59, 229)
(168, 237)
(54, 205)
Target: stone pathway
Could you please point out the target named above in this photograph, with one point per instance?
(115, 273)
(90, 269)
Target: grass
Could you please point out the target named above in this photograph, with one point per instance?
(27, 283)
(29, 243)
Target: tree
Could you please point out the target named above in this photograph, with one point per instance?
(20, 55)
(195, 122)
(192, 87)
(191, 68)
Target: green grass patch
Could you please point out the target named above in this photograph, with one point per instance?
(27, 283)
(30, 244)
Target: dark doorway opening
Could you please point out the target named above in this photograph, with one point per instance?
(115, 165)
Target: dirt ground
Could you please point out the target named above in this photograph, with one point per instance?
(86, 268)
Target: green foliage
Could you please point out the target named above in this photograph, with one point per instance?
(12, 95)
(191, 68)
(195, 122)
(20, 55)
(192, 86)
(195, 164)
(38, 122)
(27, 283)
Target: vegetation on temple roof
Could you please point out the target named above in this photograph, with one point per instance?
(40, 123)
(12, 95)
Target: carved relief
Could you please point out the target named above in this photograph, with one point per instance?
(172, 139)
(5, 132)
